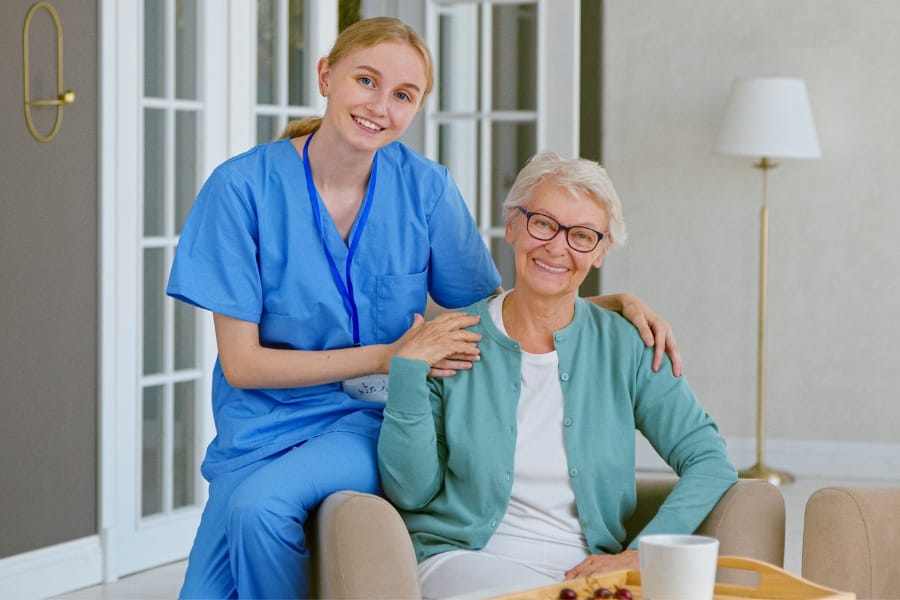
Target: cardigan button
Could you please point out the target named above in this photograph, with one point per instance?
(564, 376)
(567, 422)
(493, 522)
(573, 472)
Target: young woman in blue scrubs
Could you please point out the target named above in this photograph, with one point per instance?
(316, 254)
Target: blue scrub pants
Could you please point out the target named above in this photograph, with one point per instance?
(251, 543)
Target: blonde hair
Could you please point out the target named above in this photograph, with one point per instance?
(365, 34)
(578, 175)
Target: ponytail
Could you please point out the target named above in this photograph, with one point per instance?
(300, 127)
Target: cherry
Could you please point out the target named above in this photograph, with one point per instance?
(567, 594)
(603, 593)
(623, 594)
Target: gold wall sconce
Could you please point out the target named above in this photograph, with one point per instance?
(62, 97)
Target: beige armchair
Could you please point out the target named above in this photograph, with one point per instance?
(361, 548)
(851, 540)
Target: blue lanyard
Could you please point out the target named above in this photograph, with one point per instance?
(345, 290)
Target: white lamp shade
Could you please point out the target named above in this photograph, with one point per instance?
(769, 117)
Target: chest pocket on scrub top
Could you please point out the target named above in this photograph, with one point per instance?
(397, 297)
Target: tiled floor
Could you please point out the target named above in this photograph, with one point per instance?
(165, 581)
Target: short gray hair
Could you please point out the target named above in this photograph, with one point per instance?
(577, 175)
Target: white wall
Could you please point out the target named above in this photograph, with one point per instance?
(693, 216)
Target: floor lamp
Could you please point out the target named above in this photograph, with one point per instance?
(767, 118)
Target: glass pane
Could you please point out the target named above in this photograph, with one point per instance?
(504, 258)
(458, 55)
(185, 165)
(183, 467)
(154, 171)
(152, 451)
(155, 49)
(514, 85)
(266, 30)
(266, 128)
(185, 336)
(458, 151)
(154, 283)
(298, 78)
(185, 49)
(513, 144)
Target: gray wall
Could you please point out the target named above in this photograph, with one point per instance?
(48, 285)
(834, 273)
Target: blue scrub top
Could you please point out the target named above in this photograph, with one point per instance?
(250, 249)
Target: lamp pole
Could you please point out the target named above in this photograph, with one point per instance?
(760, 470)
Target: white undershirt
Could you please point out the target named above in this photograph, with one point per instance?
(541, 525)
(539, 538)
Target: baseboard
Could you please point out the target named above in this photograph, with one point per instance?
(53, 570)
(814, 459)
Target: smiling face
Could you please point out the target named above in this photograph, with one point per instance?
(373, 93)
(552, 269)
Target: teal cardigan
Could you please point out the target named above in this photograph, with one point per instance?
(447, 445)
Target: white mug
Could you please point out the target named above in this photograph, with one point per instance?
(678, 567)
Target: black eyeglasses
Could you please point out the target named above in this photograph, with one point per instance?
(544, 227)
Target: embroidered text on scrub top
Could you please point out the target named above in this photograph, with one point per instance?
(346, 291)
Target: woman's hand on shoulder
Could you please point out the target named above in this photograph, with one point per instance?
(444, 343)
(653, 329)
(604, 563)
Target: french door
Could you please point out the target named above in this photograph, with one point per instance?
(188, 83)
(507, 88)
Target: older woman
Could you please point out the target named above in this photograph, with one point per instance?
(522, 470)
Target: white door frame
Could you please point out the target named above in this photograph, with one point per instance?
(129, 542)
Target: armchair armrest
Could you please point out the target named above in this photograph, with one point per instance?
(748, 521)
(366, 552)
